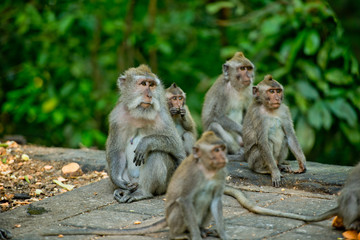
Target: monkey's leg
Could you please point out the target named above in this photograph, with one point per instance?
(175, 220)
(154, 177)
(256, 163)
(284, 165)
(231, 144)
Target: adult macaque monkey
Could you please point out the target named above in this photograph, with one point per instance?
(193, 195)
(181, 115)
(269, 132)
(227, 101)
(143, 148)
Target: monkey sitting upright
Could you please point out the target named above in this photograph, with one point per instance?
(269, 132)
(143, 148)
(227, 101)
(181, 115)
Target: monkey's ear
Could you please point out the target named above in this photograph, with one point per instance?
(225, 69)
(196, 152)
(255, 91)
(174, 85)
(121, 81)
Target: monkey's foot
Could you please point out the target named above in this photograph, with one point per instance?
(355, 225)
(285, 168)
(180, 236)
(4, 234)
(300, 170)
(205, 232)
(124, 196)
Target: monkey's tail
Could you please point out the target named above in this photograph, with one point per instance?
(155, 227)
(241, 198)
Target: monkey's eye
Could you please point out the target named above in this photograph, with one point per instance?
(242, 68)
(217, 149)
(180, 98)
(271, 91)
(143, 83)
(249, 68)
(152, 84)
(278, 90)
(174, 98)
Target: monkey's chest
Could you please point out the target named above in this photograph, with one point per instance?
(130, 154)
(202, 201)
(179, 126)
(276, 135)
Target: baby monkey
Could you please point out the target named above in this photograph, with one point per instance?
(269, 132)
(185, 125)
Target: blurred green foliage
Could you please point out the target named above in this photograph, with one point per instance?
(59, 62)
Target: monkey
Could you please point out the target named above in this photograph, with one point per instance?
(143, 148)
(193, 196)
(227, 100)
(269, 132)
(185, 125)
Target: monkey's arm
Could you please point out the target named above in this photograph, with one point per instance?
(187, 121)
(293, 142)
(217, 212)
(161, 143)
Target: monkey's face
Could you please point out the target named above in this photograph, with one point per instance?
(145, 87)
(213, 157)
(242, 76)
(218, 157)
(274, 97)
(176, 101)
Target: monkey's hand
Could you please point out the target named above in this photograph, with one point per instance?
(276, 179)
(174, 110)
(302, 169)
(140, 153)
(182, 112)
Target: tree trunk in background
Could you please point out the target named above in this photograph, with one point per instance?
(152, 19)
(125, 51)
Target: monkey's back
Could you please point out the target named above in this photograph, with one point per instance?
(214, 103)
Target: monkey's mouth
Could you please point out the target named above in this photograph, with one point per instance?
(145, 104)
(275, 105)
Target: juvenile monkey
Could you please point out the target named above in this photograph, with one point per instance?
(269, 132)
(193, 196)
(227, 101)
(143, 148)
(185, 125)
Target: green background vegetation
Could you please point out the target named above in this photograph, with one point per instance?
(59, 62)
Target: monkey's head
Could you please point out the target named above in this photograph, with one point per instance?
(141, 91)
(239, 71)
(175, 97)
(269, 92)
(210, 151)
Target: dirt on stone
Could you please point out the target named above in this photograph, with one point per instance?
(24, 180)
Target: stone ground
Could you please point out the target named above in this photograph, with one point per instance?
(93, 205)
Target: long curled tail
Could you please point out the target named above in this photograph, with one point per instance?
(241, 198)
(157, 226)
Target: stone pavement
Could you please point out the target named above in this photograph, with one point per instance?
(93, 205)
